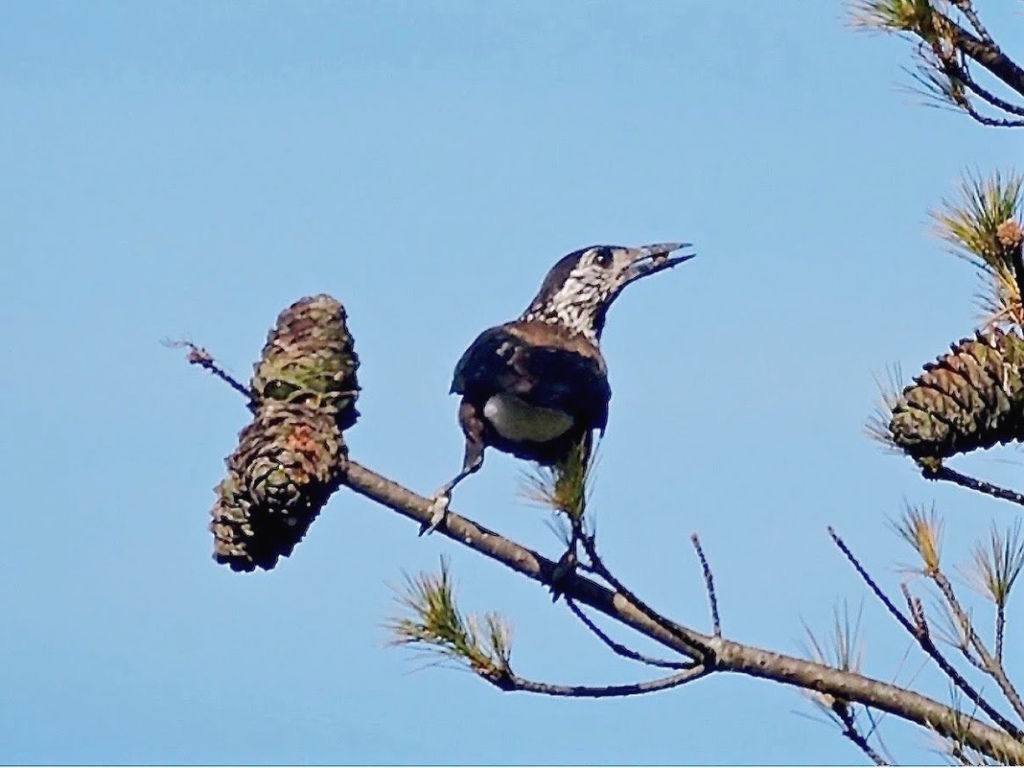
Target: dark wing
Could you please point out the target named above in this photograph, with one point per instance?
(544, 375)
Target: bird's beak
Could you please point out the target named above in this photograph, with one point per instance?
(651, 259)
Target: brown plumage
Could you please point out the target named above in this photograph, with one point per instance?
(537, 386)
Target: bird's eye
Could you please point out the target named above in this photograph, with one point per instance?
(603, 258)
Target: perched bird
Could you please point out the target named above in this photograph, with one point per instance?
(537, 385)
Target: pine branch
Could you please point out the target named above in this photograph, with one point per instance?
(512, 682)
(972, 483)
(713, 654)
(919, 632)
(200, 356)
(709, 585)
(698, 647)
(944, 46)
(994, 572)
(727, 655)
(966, 7)
(852, 732)
(617, 647)
(991, 664)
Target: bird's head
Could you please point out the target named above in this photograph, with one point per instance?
(579, 289)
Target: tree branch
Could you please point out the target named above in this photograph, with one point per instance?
(988, 55)
(950, 45)
(966, 7)
(695, 641)
(726, 655)
(200, 356)
(709, 585)
(986, 95)
(919, 631)
(971, 483)
(991, 665)
(852, 732)
(508, 681)
(619, 648)
(1000, 630)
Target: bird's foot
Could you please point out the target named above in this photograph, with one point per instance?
(564, 568)
(438, 511)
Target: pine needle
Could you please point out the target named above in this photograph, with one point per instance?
(890, 390)
(922, 529)
(432, 621)
(982, 226)
(996, 564)
(892, 15)
(842, 649)
(564, 487)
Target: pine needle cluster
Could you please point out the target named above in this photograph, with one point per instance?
(431, 620)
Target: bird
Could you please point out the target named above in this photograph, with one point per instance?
(535, 386)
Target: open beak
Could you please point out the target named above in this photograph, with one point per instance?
(651, 259)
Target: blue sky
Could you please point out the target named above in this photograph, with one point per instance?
(188, 169)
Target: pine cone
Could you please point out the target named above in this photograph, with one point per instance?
(309, 358)
(280, 476)
(289, 458)
(970, 398)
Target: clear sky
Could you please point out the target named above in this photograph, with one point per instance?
(188, 169)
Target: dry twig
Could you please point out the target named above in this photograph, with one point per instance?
(709, 584)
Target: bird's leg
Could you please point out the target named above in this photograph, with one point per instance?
(472, 461)
(567, 563)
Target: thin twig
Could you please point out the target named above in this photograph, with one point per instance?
(916, 611)
(508, 681)
(872, 584)
(957, 638)
(958, 76)
(619, 648)
(200, 356)
(709, 583)
(1000, 629)
(967, 9)
(966, 481)
(988, 55)
(992, 122)
(874, 731)
(992, 666)
(963, 73)
(843, 711)
(926, 643)
(699, 648)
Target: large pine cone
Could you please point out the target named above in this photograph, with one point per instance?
(289, 458)
(970, 398)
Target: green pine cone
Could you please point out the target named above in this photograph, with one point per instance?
(309, 358)
(970, 398)
(279, 477)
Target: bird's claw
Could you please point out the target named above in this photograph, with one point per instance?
(438, 512)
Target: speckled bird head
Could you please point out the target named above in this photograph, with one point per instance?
(580, 288)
